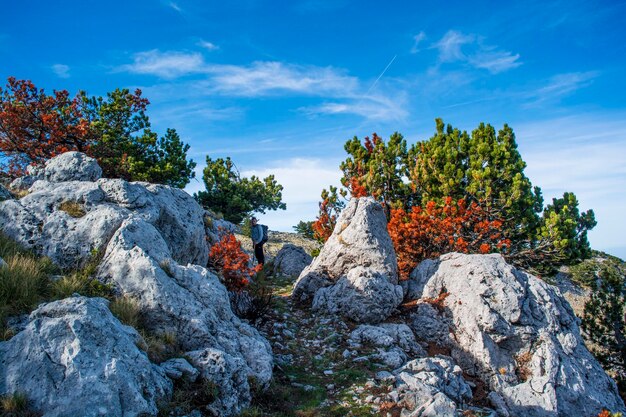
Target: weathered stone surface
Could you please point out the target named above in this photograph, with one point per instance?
(75, 358)
(230, 376)
(360, 238)
(291, 260)
(356, 273)
(71, 166)
(386, 335)
(363, 295)
(4, 193)
(432, 387)
(179, 368)
(154, 248)
(37, 222)
(188, 301)
(22, 183)
(521, 337)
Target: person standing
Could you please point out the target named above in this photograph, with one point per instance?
(257, 240)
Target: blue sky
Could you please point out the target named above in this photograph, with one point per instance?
(280, 86)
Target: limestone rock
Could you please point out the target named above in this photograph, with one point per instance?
(360, 238)
(387, 335)
(5, 194)
(72, 166)
(291, 260)
(363, 295)
(188, 301)
(22, 183)
(178, 368)
(228, 374)
(432, 387)
(75, 358)
(356, 273)
(520, 336)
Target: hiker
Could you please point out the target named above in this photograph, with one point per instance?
(259, 237)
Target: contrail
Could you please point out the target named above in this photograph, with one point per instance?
(379, 77)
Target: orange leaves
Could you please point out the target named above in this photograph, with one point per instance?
(325, 224)
(232, 262)
(430, 231)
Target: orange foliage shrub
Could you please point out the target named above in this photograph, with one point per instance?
(232, 262)
(325, 224)
(430, 231)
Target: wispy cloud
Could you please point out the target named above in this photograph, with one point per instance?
(61, 70)
(456, 46)
(175, 6)
(209, 46)
(561, 85)
(417, 40)
(268, 77)
(375, 107)
(171, 64)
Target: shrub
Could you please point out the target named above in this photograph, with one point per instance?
(255, 302)
(16, 405)
(430, 231)
(232, 263)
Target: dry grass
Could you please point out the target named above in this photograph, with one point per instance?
(127, 310)
(73, 208)
(16, 405)
(522, 370)
(439, 301)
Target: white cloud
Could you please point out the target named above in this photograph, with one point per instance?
(268, 77)
(476, 53)
(170, 64)
(561, 85)
(417, 40)
(209, 46)
(61, 70)
(303, 180)
(377, 107)
(585, 154)
(175, 6)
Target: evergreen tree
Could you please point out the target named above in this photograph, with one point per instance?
(234, 196)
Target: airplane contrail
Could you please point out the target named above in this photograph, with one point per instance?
(379, 77)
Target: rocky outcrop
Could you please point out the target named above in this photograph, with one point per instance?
(75, 358)
(153, 244)
(41, 221)
(432, 387)
(356, 273)
(518, 335)
(291, 260)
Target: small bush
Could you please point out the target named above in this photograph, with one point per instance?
(255, 302)
(83, 282)
(232, 262)
(189, 396)
(73, 208)
(160, 347)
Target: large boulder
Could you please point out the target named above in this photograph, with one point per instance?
(517, 334)
(42, 221)
(291, 260)
(74, 358)
(188, 301)
(356, 272)
(72, 166)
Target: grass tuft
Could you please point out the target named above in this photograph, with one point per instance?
(73, 208)
(16, 405)
(127, 310)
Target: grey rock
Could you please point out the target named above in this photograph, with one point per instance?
(392, 358)
(188, 301)
(520, 336)
(364, 295)
(22, 183)
(75, 358)
(228, 374)
(179, 368)
(360, 239)
(5, 194)
(387, 335)
(71, 166)
(291, 260)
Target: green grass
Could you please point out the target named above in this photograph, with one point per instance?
(189, 396)
(127, 311)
